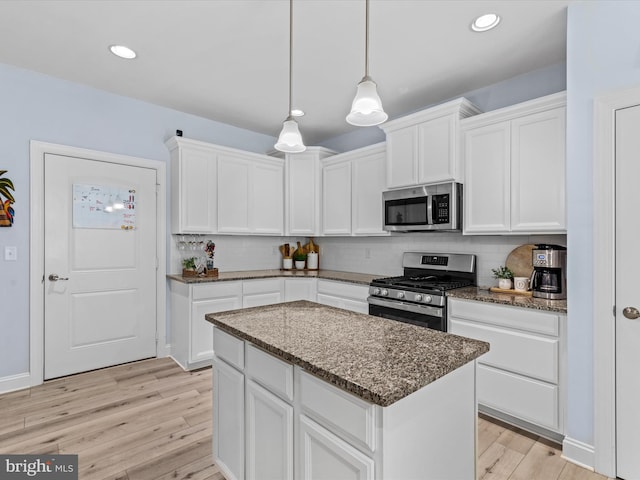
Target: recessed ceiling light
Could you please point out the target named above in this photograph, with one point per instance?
(296, 112)
(485, 22)
(122, 51)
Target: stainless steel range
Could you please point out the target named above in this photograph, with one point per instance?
(419, 296)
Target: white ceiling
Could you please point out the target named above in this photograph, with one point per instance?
(227, 60)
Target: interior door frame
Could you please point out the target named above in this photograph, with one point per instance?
(604, 332)
(36, 244)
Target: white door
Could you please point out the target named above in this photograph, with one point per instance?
(627, 292)
(102, 309)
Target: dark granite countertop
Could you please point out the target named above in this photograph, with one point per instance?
(378, 360)
(360, 278)
(484, 295)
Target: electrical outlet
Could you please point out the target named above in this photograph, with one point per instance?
(10, 254)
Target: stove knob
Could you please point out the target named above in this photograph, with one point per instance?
(376, 291)
(400, 294)
(427, 299)
(418, 297)
(384, 292)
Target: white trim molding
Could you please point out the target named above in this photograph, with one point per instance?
(578, 452)
(15, 382)
(36, 242)
(604, 335)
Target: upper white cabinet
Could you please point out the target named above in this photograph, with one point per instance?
(303, 187)
(515, 169)
(250, 194)
(352, 185)
(193, 181)
(423, 147)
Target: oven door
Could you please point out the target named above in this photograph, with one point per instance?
(421, 315)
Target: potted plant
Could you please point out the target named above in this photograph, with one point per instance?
(504, 276)
(299, 259)
(189, 267)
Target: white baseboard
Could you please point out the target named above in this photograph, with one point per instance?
(15, 382)
(577, 452)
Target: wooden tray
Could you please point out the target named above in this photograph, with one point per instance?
(525, 293)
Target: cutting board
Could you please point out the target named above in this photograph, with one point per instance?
(519, 261)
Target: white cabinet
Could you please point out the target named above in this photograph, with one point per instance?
(423, 147)
(352, 185)
(300, 289)
(522, 376)
(250, 194)
(343, 295)
(193, 182)
(515, 169)
(262, 292)
(191, 334)
(303, 191)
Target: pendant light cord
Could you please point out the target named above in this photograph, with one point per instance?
(290, 56)
(366, 41)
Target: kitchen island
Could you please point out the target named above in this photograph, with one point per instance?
(340, 394)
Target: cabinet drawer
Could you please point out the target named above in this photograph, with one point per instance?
(513, 317)
(267, 285)
(344, 290)
(217, 290)
(228, 347)
(271, 372)
(531, 400)
(513, 350)
(344, 414)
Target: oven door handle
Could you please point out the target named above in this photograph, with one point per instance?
(407, 307)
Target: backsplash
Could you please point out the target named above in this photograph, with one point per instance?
(375, 255)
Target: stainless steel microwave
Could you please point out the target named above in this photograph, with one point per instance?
(422, 208)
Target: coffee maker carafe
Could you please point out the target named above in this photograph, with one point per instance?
(548, 279)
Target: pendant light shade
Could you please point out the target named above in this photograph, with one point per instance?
(290, 140)
(366, 109)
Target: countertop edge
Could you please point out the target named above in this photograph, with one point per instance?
(482, 294)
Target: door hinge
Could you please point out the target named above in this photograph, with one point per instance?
(614, 311)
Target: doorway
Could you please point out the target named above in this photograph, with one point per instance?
(58, 304)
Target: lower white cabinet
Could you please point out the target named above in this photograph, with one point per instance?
(191, 334)
(343, 295)
(324, 456)
(259, 292)
(521, 379)
(300, 289)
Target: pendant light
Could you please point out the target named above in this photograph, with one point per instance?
(366, 109)
(290, 140)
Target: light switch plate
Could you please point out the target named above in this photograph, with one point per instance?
(10, 254)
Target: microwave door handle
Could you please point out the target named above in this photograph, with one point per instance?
(429, 210)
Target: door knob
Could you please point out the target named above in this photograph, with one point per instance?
(54, 278)
(631, 312)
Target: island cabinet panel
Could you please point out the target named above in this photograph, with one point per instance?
(229, 348)
(191, 334)
(514, 161)
(267, 370)
(324, 456)
(522, 378)
(228, 420)
(269, 443)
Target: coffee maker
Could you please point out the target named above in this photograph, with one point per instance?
(548, 279)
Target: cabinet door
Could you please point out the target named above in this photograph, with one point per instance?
(261, 292)
(233, 194)
(266, 197)
(368, 182)
(299, 289)
(194, 200)
(269, 444)
(487, 190)
(201, 336)
(538, 172)
(228, 419)
(336, 199)
(322, 455)
(303, 194)
(402, 151)
(437, 150)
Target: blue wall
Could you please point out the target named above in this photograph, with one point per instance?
(603, 54)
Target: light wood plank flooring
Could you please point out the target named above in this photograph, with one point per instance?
(151, 420)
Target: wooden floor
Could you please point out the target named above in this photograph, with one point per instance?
(151, 420)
